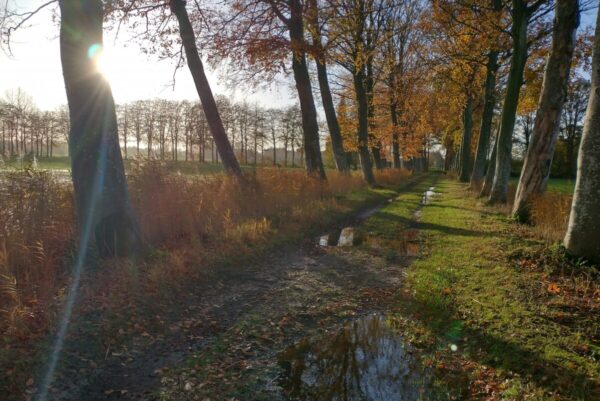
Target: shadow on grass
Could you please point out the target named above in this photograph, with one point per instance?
(437, 227)
(465, 209)
(500, 353)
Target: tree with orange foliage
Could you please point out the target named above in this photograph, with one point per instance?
(459, 51)
(262, 35)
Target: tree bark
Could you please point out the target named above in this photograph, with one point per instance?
(207, 99)
(103, 209)
(491, 172)
(465, 154)
(485, 130)
(312, 146)
(370, 87)
(337, 142)
(363, 127)
(542, 144)
(584, 222)
(521, 14)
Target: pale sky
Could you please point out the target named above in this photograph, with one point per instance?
(35, 67)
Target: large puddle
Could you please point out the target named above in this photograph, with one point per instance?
(364, 361)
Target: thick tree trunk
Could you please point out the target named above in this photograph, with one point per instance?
(491, 172)
(102, 202)
(363, 127)
(465, 154)
(485, 130)
(521, 14)
(207, 100)
(540, 151)
(310, 127)
(583, 231)
(337, 142)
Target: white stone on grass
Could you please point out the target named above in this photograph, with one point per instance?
(347, 237)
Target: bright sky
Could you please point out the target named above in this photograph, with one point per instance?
(35, 67)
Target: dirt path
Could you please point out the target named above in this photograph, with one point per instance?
(227, 346)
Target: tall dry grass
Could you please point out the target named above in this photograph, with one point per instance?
(36, 231)
(550, 215)
(175, 207)
(193, 219)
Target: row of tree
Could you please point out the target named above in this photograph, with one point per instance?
(408, 74)
(161, 129)
(513, 51)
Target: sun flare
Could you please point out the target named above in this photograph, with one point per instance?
(103, 61)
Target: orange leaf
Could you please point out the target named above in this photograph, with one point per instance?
(553, 288)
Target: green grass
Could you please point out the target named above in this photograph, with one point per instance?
(44, 163)
(560, 185)
(181, 166)
(466, 291)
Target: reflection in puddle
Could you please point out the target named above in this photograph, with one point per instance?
(364, 361)
(428, 195)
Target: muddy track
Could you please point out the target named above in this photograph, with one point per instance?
(216, 308)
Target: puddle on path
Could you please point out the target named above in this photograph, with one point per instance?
(363, 361)
(428, 195)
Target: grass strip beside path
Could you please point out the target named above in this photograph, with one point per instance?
(494, 329)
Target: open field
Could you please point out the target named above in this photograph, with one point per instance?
(185, 167)
(559, 185)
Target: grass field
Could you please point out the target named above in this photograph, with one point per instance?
(560, 185)
(184, 167)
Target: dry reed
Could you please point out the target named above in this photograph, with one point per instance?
(192, 219)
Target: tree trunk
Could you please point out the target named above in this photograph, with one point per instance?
(571, 160)
(485, 130)
(540, 151)
(465, 145)
(337, 142)
(203, 88)
(363, 127)
(274, 139)
(499, 190)
(395, 143)
(310, 127)
(491, 172)
(369, 85)
(101, 197)
(584, 223)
